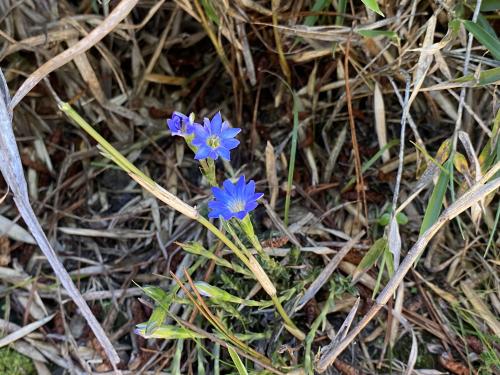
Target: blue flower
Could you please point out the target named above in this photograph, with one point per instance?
(234, 199)
(215, 138)
(180, 125)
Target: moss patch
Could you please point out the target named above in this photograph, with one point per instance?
(13, 363)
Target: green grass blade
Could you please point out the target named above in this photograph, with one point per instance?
(483, 22)
(435, 201)
(237, 361)
(490, 5)
(370, 162)
(493, 232)
(318, 6)
(373, 5)
(175, 368)
(341, 8)
(370, 258)
(293, 154)
(486, 39)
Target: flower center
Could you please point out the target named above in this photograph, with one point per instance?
(236, 205)
(213, 141)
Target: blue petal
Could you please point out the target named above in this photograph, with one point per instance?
(220, 194)
(240, 215)
(191, 127)
(173, 125)
(225, 213)
(230, 143)
(251, 206)
(229, 187)
(202, 152)
(224, 153)
(181, 115)
(200, 135)
(216, 124)
(230, 132)
(213, 154)
(213, 214)
(240, 184)
(250, 188)
(216, 206)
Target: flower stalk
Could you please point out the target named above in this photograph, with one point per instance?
(177, 204)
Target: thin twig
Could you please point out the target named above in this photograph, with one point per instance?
(115, 17)
(360, 185)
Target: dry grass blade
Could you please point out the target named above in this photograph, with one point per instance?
(321, 92)
(412, 358)
(115, 17)
(11, 167)
(271, 174)
(26, 330)
(425, 59)
(323, 360)
(478, 191)
(327, 271)
(15, 231)
(279, 46)
(480, 307)
(380, 125)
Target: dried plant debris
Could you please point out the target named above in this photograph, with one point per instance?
(371, 129)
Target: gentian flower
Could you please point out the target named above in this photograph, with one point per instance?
(181, 125)
(215, 138)
(234, 199)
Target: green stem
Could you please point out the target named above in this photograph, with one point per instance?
(208, 170)
(289, 324)
(250, 261)
(221, 236)
(247, 227)
(113, 154)
(312, 333)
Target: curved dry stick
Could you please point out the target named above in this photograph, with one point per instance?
(476, 193)
(115, 17)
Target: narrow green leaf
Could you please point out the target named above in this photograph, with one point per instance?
(220, 295)
(318, 6)
(200, 359)
(490, 5)
(237, 361)
(373, 5)
(486, 39)
(341, 8)
(156, 319)
(370, 258)
(175, 368)
(210, 11)
(167, 332)
(489, 76)
(436, 200)
(389, 261)
(493, 232)
(375, 33)
(483, 22)
(293, 154)
(198, 249)
(366, 165)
